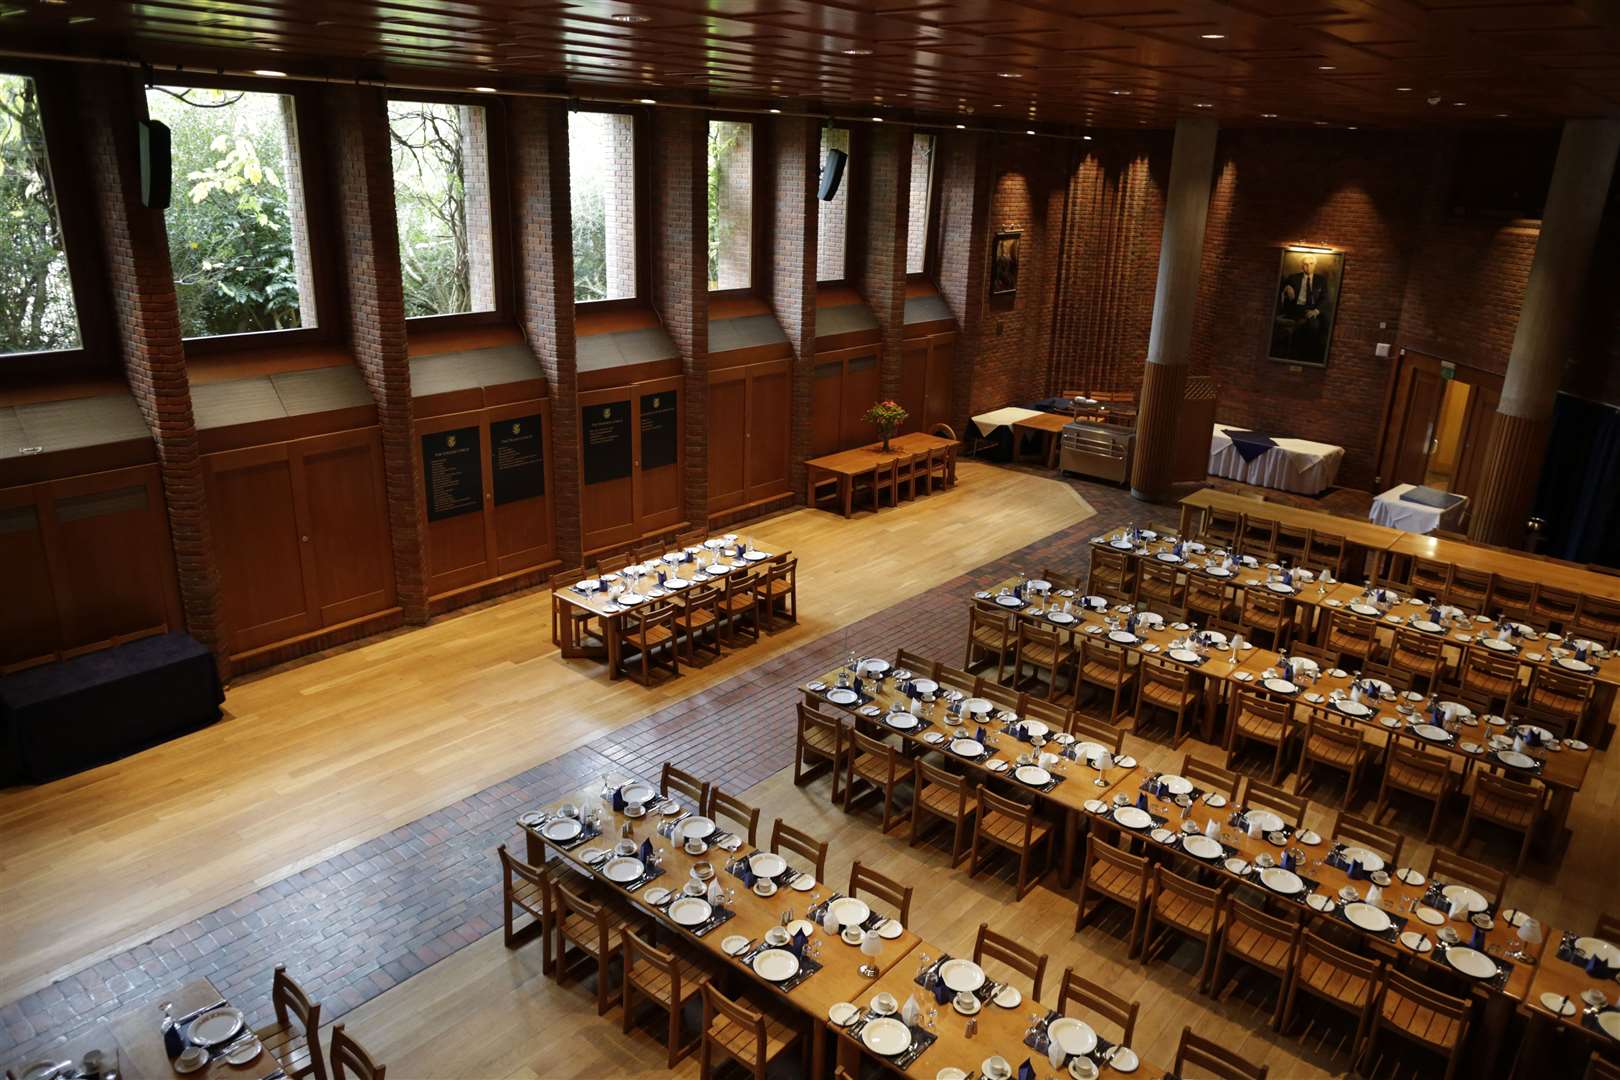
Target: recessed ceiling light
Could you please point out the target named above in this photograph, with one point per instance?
(627, 18)
(1029, 131)
(1120, 93)
(1354, 128)
(1326, 67)
(269, 73)
(1203, 105)
(857, 52)
(1268, 116)
(646, 101)
(76, 20)
(775, 112)
(1213, 37)
(482, 89)
(877, 119)
(55, 3)
(1086, 137)
(1459, 103)
(1501, 116)
(961, 127)
(1403, 89)
(1009, 75)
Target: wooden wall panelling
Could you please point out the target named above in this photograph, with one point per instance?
(926, 366)
(750, 440)
(347, 507)
(525, 535)
(461, 546)
(625, 498)
(607, 507)
(728, 439)
(660, 489)
(826, 396)
(29, 628)
(845, 384)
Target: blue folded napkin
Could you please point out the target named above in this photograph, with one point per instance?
(646, 850)
(1355, 872)
(980, 736)
(1026, 1071)
(1021, 733)
(797, 943)
(1250, 444)
(1288, 860)
(746, 873)
(1141, 800)
(1596, 967)
(618, 801)
(942, 993)
(1477, 941)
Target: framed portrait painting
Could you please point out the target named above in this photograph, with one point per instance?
(1004, 263)
(1304, 304)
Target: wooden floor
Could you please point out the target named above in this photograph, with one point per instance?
(315, 758)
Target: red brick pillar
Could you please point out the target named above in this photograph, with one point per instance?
(795, 153)
(147, 317)
(545, 290)
(885, 187)
(964, 256)
(362, 181)
(680, 276)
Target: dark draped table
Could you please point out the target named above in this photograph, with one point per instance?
(64, 717)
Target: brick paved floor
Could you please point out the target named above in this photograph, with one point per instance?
(356, 924)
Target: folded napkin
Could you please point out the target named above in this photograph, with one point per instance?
(910, 1011)
(1026, 1071)
(979, 736)
(716, 894)
(1250, 444)
(646, 850)
(797, 942)
(942, 993)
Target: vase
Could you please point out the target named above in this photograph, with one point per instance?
(886, 436)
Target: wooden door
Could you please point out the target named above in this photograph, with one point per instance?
(826, 408)
(607, 457)
(660, 454)
(913, 396)
(862, 388)
(266, 562)
(1476, 434)
(1417, 389)
(938, 403)
(770, 429)
(728, 442)
(455, 472)
(29, 630)
(520, 484)
(347, 523)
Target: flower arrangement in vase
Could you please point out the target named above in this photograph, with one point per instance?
(887, 416)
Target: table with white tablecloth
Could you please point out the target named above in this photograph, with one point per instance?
(1298, 465)
(1400, 513)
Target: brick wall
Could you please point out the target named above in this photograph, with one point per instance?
(832, 218)
(680, 275)
(878, 238)
(292, 174)
(734, 206)
(964, 212)
(789, 278)
(476, 206)
(545, 290)
(146, 321)
(922, 171)
(362, 185)
(619, 206)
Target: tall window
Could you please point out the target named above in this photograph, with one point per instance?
(731, 204)
(36, 294)
(441, 197)
(238, 242)
(832, 223)
(922, 179)
(602, 194)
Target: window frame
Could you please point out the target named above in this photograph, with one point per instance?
(930, 270)
(758, 249)
(74, 192)
(501, 239)
(641, 187)
(844, 185)
(319, 217)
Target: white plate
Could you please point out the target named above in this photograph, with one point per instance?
(935, 737)
(766, 864)
(874, 666)
(850, 912)
(764, 887)
(1162, 836)
(1096, 806)
(1471, 962)
(216, 1026)
(1217, 571)
(655, 895)
(1363, 609)
(1186, 656)
(901, 721)
(843, 1013)
(1125, 1060)
(1215, 800)
(977, 706)
(842, 695)
(1367, 917)
(636, 791)
(561, 829)
(1280, 686)
(1558, 1004)
(244, 1052)
(1236, 865)
(1610, 1023)
(967, 747)
(533, 817)
(1318, 902)
(1062, 618)
(1498, 645)
(193, 1059)
(1308, 837)
(733, 945)
(695, 828)
(1035, 729)
(1415, 941)
(1431, 916)
(1267, 821)
(588, 585)
(1426, 626)
(1202, 847)
(950, 1072)
(925, 686)
(959, 975)
(1279, 587)
(1592, 946)
(890, 929)
(690, 911)
(1175, 785)
(623, 869)
(1133, 817)
(1352, 708)
(1408, 876)
(1430, 732)
(1033, 775)
(776, 965)
(1282, 881)
(1075, 1036)
(1125, 761)
(886, 1036)
(1121, 637)
(1369, 860)
(1573, 664)
(1168, 556)
(804, 883)
(1009, 601)
(1008, 997)
(1462, 894)
(1515, 759)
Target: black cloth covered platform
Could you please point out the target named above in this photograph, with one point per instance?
(68, 716)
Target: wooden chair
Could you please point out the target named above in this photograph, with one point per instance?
(948, 467)
(887, 889)
(1087, 729)
(1012, 826)
(1259, 535)
(1054, 716)
(584, 626)
(1599, 1069)
(733, 811)
(1159, 582)
(592, 929)
(943, 796)
(673, 781)
(666, 980)
(1161, 686)
(739, 605)
(1213, 1060)
(1338, 746)
(1046, 651)
(751, 1039)
(1417, 656)
(1107, 667)
(1326, 551)
(1513, 598)
(647, 633)
(905, 476)
(1429, 577)
(1292, 543)
(1220, 527)
(955, 678)
(1259, 717)
(608, 564)
(1061, 579)
(523, 893)
(879, 765)
(1351, 635)
(822, 745)
(779, 595)
(1263, 942)
(697, 619)
(1004, 696)
(1291, 808)
(990, 945)
(1335, 976)
(1597, 617)
(1110, 574)
(1450, 868)
(1359, 832)
(1608, 927)
(349, 1058)
(1098, 999)
(1265, 612)
(1211, 777)
(1427, 1017)
(1182, 906)
(1468, 589)
(801, 844)
(877, 484)
(1495, 678)
(1415, 772)
(1497, 800)
(1206, 598)
(1554, 608)
(1561, 697)
(1112, 873)
(990, 637)
(295, 1037)
(916, 663)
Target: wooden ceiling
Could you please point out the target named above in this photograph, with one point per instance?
(1102, 63)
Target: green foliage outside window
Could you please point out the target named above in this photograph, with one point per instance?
(36, 294)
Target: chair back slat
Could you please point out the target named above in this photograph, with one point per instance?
(1291, 808)
(1098, 999)
(727, 807)
(888, 890)
(1359, 832)
(1003, 949)
(801, 844)
(349, 1058)
(1452, 869)
(672, 779)
(1211, 777)
(916, 663)
(1202, 1057)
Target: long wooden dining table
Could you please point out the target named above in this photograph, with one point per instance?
(846, 466)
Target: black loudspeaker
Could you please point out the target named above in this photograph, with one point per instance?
(832, 174)
(155, 165)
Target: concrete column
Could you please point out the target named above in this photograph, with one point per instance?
(1181, 250)
(1552, 299)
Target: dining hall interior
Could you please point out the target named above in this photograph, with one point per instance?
(1196, 425)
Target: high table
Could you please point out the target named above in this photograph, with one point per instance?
(1288, 464)
(1511, 564)
(1393, 509)
(1363, 534)
(848, 465)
